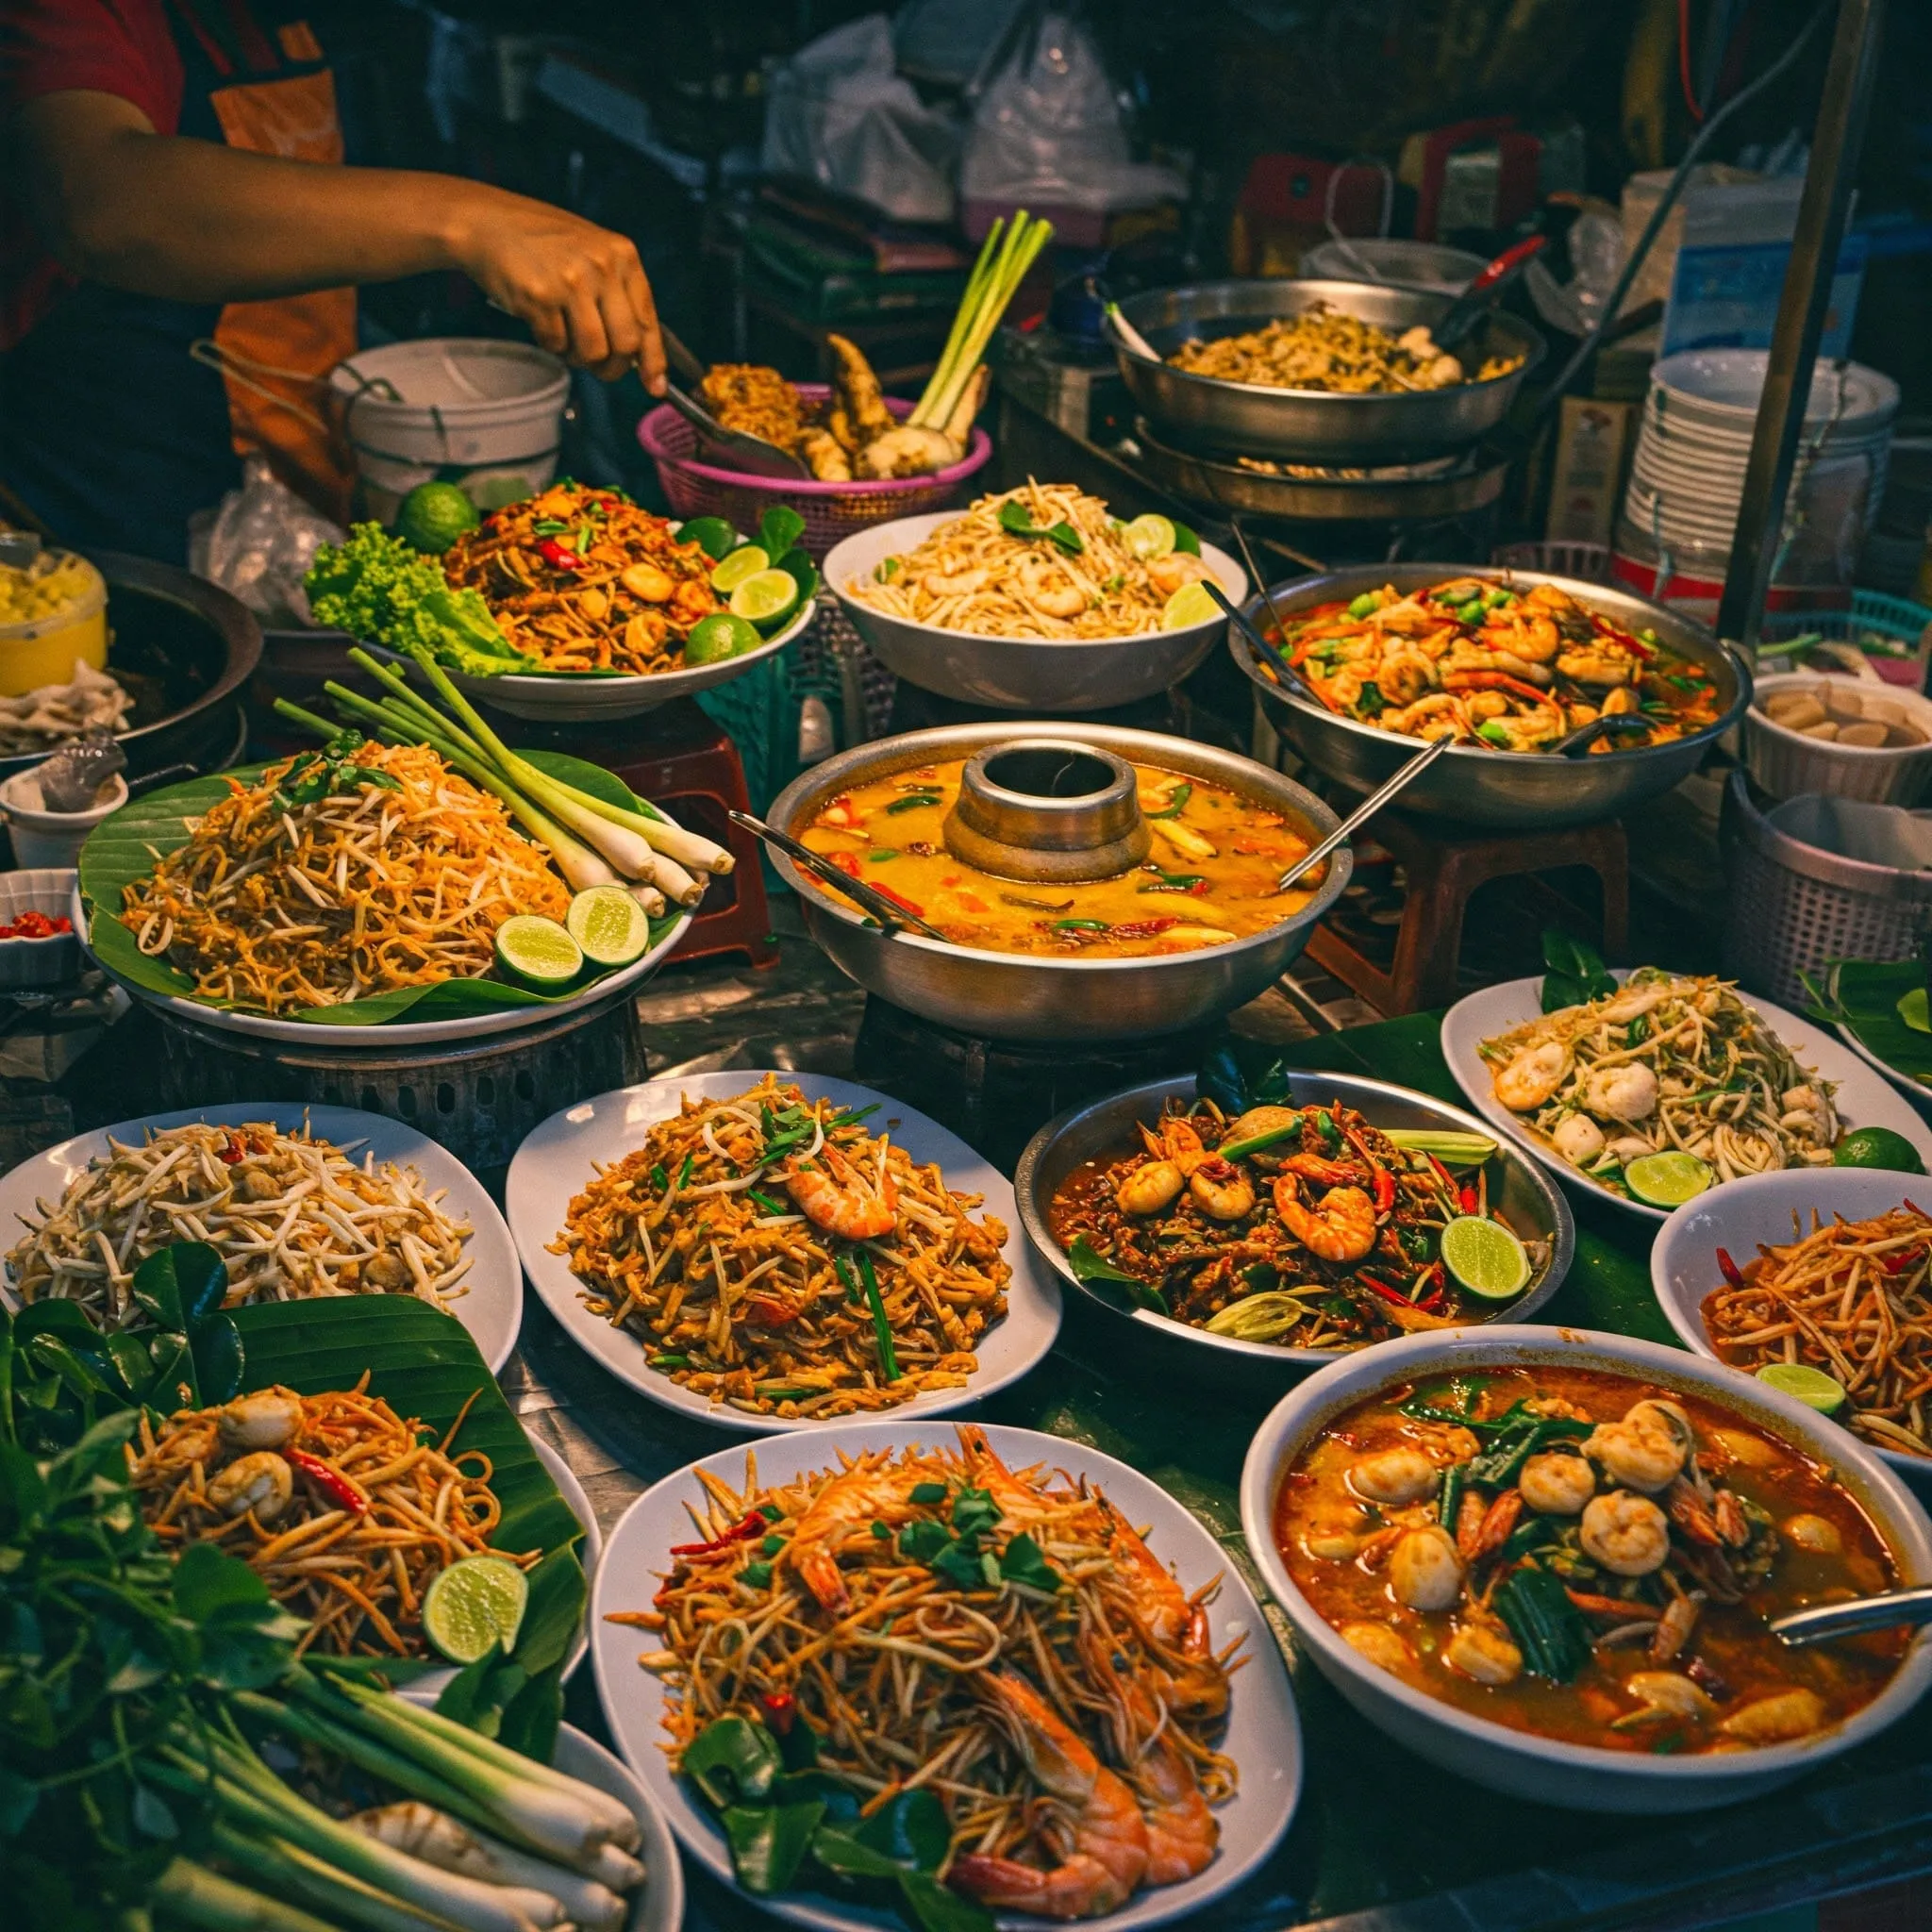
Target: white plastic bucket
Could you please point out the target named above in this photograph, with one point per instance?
(484, 415)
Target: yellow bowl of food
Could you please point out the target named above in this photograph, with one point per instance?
(53, 614)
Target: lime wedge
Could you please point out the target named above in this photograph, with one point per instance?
(1149, 537)
(608, 925)
(538, 953)
(719, 636)
(1668, 1179)
(1485, 1257)
(765, 596)
(745, 562)
(1877, 1147)
(473, 1603)
(1812, 1387)
(1190, 605)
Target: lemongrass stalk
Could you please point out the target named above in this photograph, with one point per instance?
(307, 720)
(985, 301)
(615, 1869)
(651, 899)
(202, 1898)
(968, 304)
(665, 834)
(677, 884)
(296, 1873)
(959, 425)
(418, 707)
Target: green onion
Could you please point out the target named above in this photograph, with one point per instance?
(1452, 1149)
(889, 1362)
(1254, 1143)
(844, 1275)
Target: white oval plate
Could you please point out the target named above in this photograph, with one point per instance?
(491, 1310)
(556, 1163)
(1263, 1734)
(1863, 1098)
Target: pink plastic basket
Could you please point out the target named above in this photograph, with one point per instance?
(832, 511)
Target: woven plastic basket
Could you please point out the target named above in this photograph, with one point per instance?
(832, 511)
(1793, 909)
(1871, 612)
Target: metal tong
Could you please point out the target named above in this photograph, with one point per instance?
(893, 916)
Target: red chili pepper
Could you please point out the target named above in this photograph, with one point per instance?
(330, 1480)
(898, 899)
(1382, 1289)
(232, 1151)
(1894, 1264)
(781, 1710)
(557, 556)
(1141, 928)
(35, 926)
(1467, 1198)
(1431, 1288)
(1729, 1269)
(754, 1524)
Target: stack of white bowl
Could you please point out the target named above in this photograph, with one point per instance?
(1687, 478)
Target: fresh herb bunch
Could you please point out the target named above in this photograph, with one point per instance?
(318, 775)
(1577, 973)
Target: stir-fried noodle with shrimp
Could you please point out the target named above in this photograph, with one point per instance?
(975, 573)
(1851, 1299)
(1002, 1639)
(1321, 348)
(329, 880)
(772, 1253)
(338, 1503)
(1665, 1063)
(291, 1216)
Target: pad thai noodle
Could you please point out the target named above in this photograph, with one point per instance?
(1664, 1063)
(582, 579)
(938, 1621)
(291, 1216)
(335, 1501)
(1851, 1299)
(1320, 348)
(1073, 577)
(327, 881)
(771, 1253)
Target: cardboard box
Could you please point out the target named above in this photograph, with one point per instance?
(1593, 440)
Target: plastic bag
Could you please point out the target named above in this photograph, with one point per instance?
(1047, 131)
(258, 545)
(840, 114)
(1595, 243)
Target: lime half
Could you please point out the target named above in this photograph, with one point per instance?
(1485, 1257)
(608, 925)
(1812, 1387)
(745, 562)
(1190, 605)
(719, 636)
(1149, 537)
(1877, 1147)
(538, 953)
(765, 596)
(1668, 1179)
(473, 1603)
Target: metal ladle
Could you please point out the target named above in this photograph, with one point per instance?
(1887, 1611)
(894, 917)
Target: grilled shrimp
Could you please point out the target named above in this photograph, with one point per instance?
(870, 1491)
(839, 1199)
(1342, 1228)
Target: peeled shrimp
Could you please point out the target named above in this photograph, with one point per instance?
(1342, 1228)
(839, 1199)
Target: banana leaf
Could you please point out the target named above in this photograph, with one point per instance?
(123, 847)
(1882, 1003)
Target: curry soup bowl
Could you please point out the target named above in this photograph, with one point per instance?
(1758, 1210)
(1519, 1763)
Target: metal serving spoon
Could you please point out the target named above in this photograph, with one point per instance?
(747, 452)
(1886, 1611)
(895, 918)
(1365, 810)
(1265, 654)
(1574, 744)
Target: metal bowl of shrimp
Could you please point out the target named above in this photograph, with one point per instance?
(1049, 675)
(1474, 783)
(1517, 1191)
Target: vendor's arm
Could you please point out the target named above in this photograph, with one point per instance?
(195, 222)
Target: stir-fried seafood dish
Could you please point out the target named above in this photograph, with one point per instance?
(1321, 348)
(1588, 1557)
(291, 1215)
(1044, 560)
(1306, 1227)
(1851, 1299)
(1209, 877)
(581, 579)
(1002, 1638)
(325, 881)
(1664, 1063)
(772, 1253)
(336, 1500)
(1488, 663)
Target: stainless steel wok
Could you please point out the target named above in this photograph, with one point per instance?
(1500, 789)
(1314, 426)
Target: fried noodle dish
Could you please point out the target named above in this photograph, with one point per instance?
(1851, 1299)
(1002, 1639)
(976, 573)
(1483, 662)
(291, 1216)
(772, 1254)
(1324, 349)
(333, 1500)
(1309, 1227)
(1663, 1063)
(322, 882)
(582, 579)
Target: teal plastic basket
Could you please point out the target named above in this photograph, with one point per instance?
(1871, 613)
(760, 713)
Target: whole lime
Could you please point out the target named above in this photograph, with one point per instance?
(719, 636)
(434, 515)
(1877, 1147)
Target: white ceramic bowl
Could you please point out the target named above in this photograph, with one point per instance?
(38, 962)
(1683, 1259)
(1514, 1762)
(1788, 765)
(1049, 675)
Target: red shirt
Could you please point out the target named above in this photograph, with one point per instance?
(119, 48)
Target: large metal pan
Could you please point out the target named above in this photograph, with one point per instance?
(1314, 426)
(1021, 996)
(1498, 789)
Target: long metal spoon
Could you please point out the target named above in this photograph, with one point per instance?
(1574, 744)
(748, 452)
(1883, 1612)
(891, 915)
(1366, 811)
